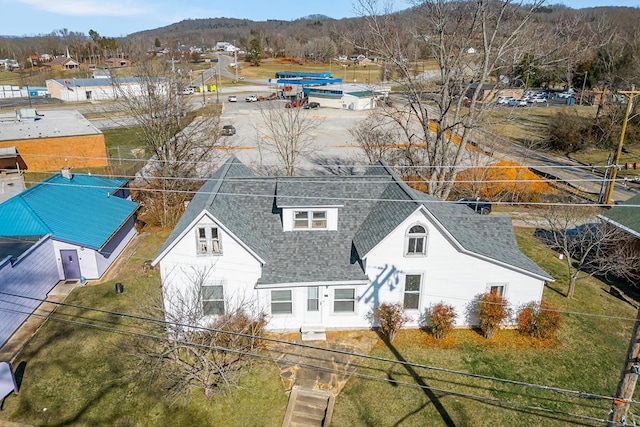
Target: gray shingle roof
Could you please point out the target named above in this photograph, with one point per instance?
(626, 215)
(371, 206)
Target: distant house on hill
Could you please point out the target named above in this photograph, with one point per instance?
(62, 63)
(117, 62)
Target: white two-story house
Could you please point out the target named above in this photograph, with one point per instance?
(322, 252)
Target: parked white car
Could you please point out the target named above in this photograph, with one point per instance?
(538, 100)
(251, 98)
(566, 94)
(504, 100)
(232, 98)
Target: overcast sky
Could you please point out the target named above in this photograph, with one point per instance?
(121, 17)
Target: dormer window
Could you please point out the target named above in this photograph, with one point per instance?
(416, 240)
(305, 220)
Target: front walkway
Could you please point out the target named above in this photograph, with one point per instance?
(314, 376)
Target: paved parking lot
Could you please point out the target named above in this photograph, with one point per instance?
(331, 140)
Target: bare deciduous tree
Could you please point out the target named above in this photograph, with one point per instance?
(377, 137)
(289, 133)
(184, 145)
(190, 353)
(588, 245)
(498, 35)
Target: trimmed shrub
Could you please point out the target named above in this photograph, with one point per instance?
(539, 320)
(492, 310)
(440, 318)
(390, 318)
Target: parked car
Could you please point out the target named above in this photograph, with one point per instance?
(521, 103)
(228, 130)
(504, 100)
(232, 98)
(478, 205)
(566, 94)
(188, 91)
(312, 105)
(538, 100)
(251, 98)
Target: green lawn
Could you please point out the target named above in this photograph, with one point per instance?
(83, 376)
(588, 357)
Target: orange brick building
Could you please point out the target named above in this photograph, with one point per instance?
(54, 139)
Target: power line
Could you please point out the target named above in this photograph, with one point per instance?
(346, 199)
(308, 346)
(333, 166)
(338, 371)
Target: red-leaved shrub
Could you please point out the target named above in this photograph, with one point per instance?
(492, 310)
(440, 318)
(539, 320)
(390, 318)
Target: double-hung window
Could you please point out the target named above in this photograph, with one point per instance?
(281, 302)
(305, 220)
(412, 284)
(344, 300)
(208, 240)
(213, 300)
(416, 240)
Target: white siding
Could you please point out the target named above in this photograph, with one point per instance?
(448, 275)
(33, 275)
(235, 266)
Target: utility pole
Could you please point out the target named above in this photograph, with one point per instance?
(235, 59)
(628, 378)
(612, 182)
(217, 86)
(584, 84)
(204, 100)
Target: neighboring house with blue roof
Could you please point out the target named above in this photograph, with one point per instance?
(90, 220)
(67, 227)
(321, 252)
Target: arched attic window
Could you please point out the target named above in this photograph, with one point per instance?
(416, 240)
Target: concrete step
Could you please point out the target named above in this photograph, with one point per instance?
(312, 412)
(308, 408)
(313, 333)
(300, 420)
(309, 400)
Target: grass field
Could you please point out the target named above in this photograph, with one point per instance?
(83, 377)
(587, 357)
(530, 126)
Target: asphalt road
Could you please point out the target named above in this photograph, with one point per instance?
(331, 147)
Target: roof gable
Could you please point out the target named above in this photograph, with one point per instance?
(370, 207)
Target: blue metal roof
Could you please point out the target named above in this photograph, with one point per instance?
(306, 82)
(81, 210)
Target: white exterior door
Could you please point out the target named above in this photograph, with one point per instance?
(313, 306)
